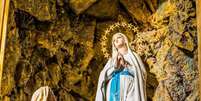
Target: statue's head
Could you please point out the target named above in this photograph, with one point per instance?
(118, 40)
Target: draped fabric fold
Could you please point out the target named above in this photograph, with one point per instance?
(43, 94)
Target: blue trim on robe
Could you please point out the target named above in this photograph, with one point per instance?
(115, 84)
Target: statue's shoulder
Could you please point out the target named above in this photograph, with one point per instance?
(107, 65)
(136, 54)
(109, 60)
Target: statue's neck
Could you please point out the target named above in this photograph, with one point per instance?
(123, 50)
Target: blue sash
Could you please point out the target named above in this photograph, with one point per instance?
(115, 84)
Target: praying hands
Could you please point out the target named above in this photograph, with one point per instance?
(120, 61)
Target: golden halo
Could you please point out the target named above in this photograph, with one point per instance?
(112, 29)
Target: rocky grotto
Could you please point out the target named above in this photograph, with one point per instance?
(57, 43)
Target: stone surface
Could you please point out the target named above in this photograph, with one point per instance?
(185, 41)
(41, 9)
(104, 9)
(137, 9)
(79, 6)
(11, 60)
(171, 55)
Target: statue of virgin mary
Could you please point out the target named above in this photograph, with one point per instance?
(124, 76)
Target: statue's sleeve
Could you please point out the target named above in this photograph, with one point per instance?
(143, 70)
(100, 93)
(142, 66)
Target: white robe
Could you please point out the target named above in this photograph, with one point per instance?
(132, 88)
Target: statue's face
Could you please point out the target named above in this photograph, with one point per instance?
(118, 41)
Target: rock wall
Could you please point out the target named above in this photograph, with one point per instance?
(57, 43)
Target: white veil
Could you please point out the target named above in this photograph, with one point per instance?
(141, 75)
(132, 53)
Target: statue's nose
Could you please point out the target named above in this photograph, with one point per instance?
(116, 41)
